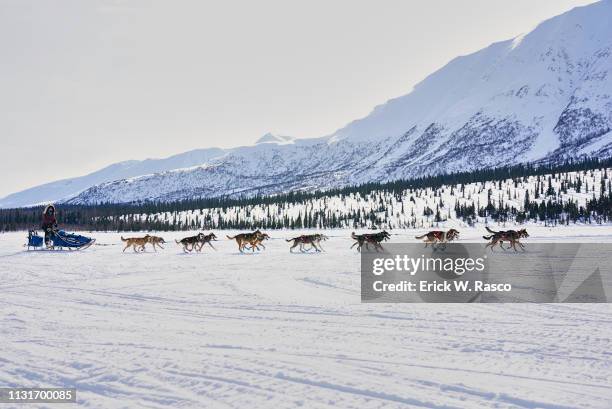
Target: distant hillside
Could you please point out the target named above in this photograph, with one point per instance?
(569, 193)
(62, 190)
(543, 96)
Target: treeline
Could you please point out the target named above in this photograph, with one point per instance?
(548, 203)
(385, 205)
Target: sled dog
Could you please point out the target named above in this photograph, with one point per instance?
(155, 241)
(190, 241)
(370, 238)
(258, 241)
(206, 239)
(135, 242)
(511, 236)
(438, 237)
(313, 239)
(254, 239)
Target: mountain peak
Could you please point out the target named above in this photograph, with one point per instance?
(273, 138)
(543, 96)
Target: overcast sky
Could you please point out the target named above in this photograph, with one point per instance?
(84, 84)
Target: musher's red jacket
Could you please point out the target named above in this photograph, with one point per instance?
(48, 221)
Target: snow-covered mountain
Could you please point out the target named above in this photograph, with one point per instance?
(272, 138)
(546, 95)
(67, 188)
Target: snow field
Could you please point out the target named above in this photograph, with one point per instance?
(274, 329)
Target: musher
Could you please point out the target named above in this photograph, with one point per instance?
(49, 224)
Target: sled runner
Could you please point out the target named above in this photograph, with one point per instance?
(60, 240)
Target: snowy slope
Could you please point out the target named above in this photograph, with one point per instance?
(272, 138)
(546, 95)
(67, 188)
(406, 209)
(280, 330)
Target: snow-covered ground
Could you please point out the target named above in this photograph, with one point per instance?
(273, 329)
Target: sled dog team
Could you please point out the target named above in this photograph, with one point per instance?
(254, 240)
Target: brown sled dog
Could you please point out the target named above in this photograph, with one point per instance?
(313, 239)
(370, 238)
(155, 241)
(438, 237)
(190, 241)
(135, 243)
(254, 239)
(258, 241)
(511, 236)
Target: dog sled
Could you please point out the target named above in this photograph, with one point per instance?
(59, 241)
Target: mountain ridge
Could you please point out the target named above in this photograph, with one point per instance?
(542, 96)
